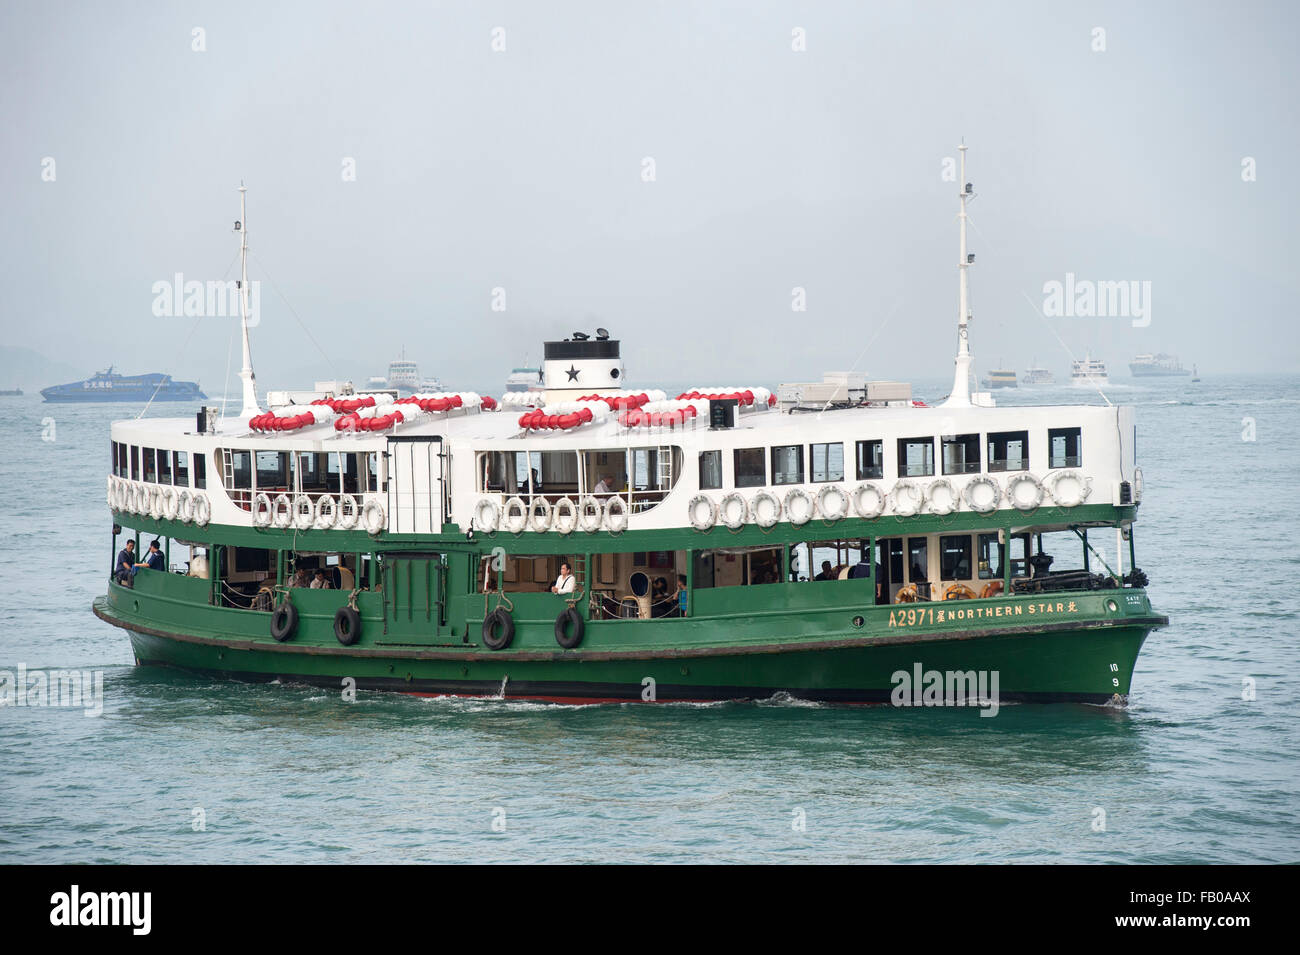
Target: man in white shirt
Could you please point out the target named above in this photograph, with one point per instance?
(606, 485)
(564, 583)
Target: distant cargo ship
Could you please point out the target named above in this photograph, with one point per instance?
(1156, 366)
(110, 386)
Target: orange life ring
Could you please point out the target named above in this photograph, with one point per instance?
(992, 589)
(959, 592)
(906, 595)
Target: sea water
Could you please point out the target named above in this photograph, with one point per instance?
(1201, 766)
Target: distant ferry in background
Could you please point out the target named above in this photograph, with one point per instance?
(1039, 376)
(1000, 379)
(1156, 366)
(110, 386)
(11, 393)
(1089, 371)
(524, 379)
(404, 378)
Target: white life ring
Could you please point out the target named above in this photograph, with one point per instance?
(282, 511)
(868, 501)
(1070, 488)
(1137, 485)
(515, 518)
(372, 516)
(942, 497)
(798, 506)
(168, 504)
(702, 512)
(766, 508)
(539, 514)
(486, 515)
(202, 509)
(120, 495)
(185, 506)
(155, 503)
(733, 511)
(832, 502)
(1016, 492)
(261, 509)
(109, 494)
(327, 512)
(590, 514)
(564, 516)
(982, 494)
(907, 498)
(349, 513)
(304, 512)
(616, 515)
(143, 499)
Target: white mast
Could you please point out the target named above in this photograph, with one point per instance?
(246, 372)
(960, 395)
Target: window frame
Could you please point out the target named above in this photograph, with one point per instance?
(716, 456)
(736, 473)
(903, 444)
(797, 455)
(812, 465)
(966, 442)
(864, 473)
(998, 465)
(1075, 461)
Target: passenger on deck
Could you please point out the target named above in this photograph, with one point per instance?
(300, 578)
(564, 583)
(828, 572)
(321, 582)
(681, 595)
(153, 560)
(125, 564)
(861, 569)
(606, 485)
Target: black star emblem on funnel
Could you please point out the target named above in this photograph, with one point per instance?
(572, 373)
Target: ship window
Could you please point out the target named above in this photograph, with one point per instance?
(150, 473)
(135, 463)
(1009, 451)
(787, 464)
(828, 560)
(954, 557)
(241, 466)
(915, 457)
(112, 459)
(1064, 447)
(918, 560)
(990, 557)
(122, 466)
(737, 567)
(200, 470)
(961, 453)
(638, 586)
(164, 467)
(182, 470)
(526, 573)
(710, 470)
(751, 469)
(826, 462)
(1019, 564)
(372, 471)
(273, 470)
(871, 460)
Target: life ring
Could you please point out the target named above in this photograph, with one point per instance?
(702, 520)
(982, 494)
(616, 515)
(1137, 485)
(486, 515)
(110, 494)
(168, 505)
(906, 595)
(733, 511)
(942, 497)
(282, 511)
(1017, 496)
(155, 503)
(262, 509)
(766, 508)
(515, 517)
(372, 516)
(992, 589)
(284, 621)
(498, 618)
(202, 509)
(832, 502)
(347, 626)
(568, 628)
(798, 506)
(907, 498)
(349, 513)
(564, 516)
(185, 506)
(304, 512)
(327, 512)
(119, 494)
(141, 499)
(958, 592)
(590, 514)
(1070, 488)
(868, 501)
(539, 514)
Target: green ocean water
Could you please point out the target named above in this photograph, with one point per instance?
(1188, 772)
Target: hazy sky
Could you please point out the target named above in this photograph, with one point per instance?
(774, 168)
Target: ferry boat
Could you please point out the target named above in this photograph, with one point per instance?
(1088, 371)
(618, 544)
(111, 386)
(1038, 376)
(11, 393)
(404, 375)
(525, 379)
(1157, 366)
(1001, 378)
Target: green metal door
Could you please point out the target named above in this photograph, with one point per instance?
(413, 588)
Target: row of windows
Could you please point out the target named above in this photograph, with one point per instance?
(959, 454)
(157, 466)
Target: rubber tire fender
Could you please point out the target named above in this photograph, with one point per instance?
(569, 618)
(284, 621)
(347, 626)
(500, 617)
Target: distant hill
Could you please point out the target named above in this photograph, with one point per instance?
(31, 371)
